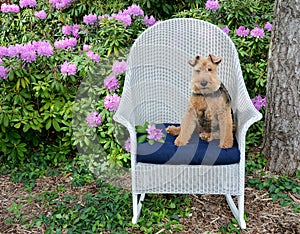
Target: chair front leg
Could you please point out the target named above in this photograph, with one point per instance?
(137, 206)
(238, 212)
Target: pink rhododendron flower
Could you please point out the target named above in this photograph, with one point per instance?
(125, 18)
(43, 48)
(212, 5)
(3, 51)
(40, 14)
(257, 32)
(111, 83)
(111, 102)
(71, 30)
(59, 4)
(87, 47)
(3, 72)
(68, 68)
(65, 43)
(259, 102)
(119, 67)
(27, 3)
(94, 119)
(127, 145)
(134, 10)
(269, 26)
(225, 30)
(154, 133)
(242, 31)
(149, 21)
(93, 56)
(13, 8)
(90, 19)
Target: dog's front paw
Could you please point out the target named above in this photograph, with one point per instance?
(206, 136)
(226, 144)
(180, 142)
(173, 130)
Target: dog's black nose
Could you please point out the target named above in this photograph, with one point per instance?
(203, 83)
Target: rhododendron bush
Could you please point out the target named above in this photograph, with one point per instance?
(46, 58)
(63, 63)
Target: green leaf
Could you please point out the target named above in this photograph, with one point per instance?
(55, 125)
(140, 129)
(18, 125)
(5, 121)
(142, 138)
(26, 127)
(48, 124)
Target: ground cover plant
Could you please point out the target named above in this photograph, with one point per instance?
(62, 65)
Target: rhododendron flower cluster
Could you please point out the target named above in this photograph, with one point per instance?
(134, 10)
(68, 68)
(257, 32)
(111, 102)
(259, 102)
(86, 47)
(3, 72)
(111, 83)
(119, 67)
(65, 43)
(95, 57)
(27, 52)
(27, 3)
(212, 5)
(149, 21)
(90, 19)
(13, 8)
(40, 14)
(94, 119)
(154, 133)
(71, 30)
(127, 145)
(59, 4)
(125, 16)
(269, 26)
(242, 31)
(225, 30)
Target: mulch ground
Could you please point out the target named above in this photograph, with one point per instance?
(209, 212)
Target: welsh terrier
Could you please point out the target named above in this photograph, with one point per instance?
(209, 108)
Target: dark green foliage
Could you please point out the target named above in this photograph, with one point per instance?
(279, 188)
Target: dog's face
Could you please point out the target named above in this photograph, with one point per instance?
(205, 78)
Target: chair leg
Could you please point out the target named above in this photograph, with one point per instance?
(137, 206)
(237, 212)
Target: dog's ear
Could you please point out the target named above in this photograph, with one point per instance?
(215, 59)
(194, 61)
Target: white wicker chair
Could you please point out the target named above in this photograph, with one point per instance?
(157, 90)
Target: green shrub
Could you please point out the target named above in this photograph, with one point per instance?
(37, 96)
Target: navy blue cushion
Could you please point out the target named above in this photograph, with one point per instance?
(196, 152)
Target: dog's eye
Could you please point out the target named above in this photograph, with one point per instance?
(198, 71)
(209, 69)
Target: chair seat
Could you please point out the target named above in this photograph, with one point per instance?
(196, 152)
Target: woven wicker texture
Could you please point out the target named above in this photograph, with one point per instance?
(157, 90)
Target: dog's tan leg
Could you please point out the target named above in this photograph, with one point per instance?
(188, 125)
(173, 130)
(226, 135)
